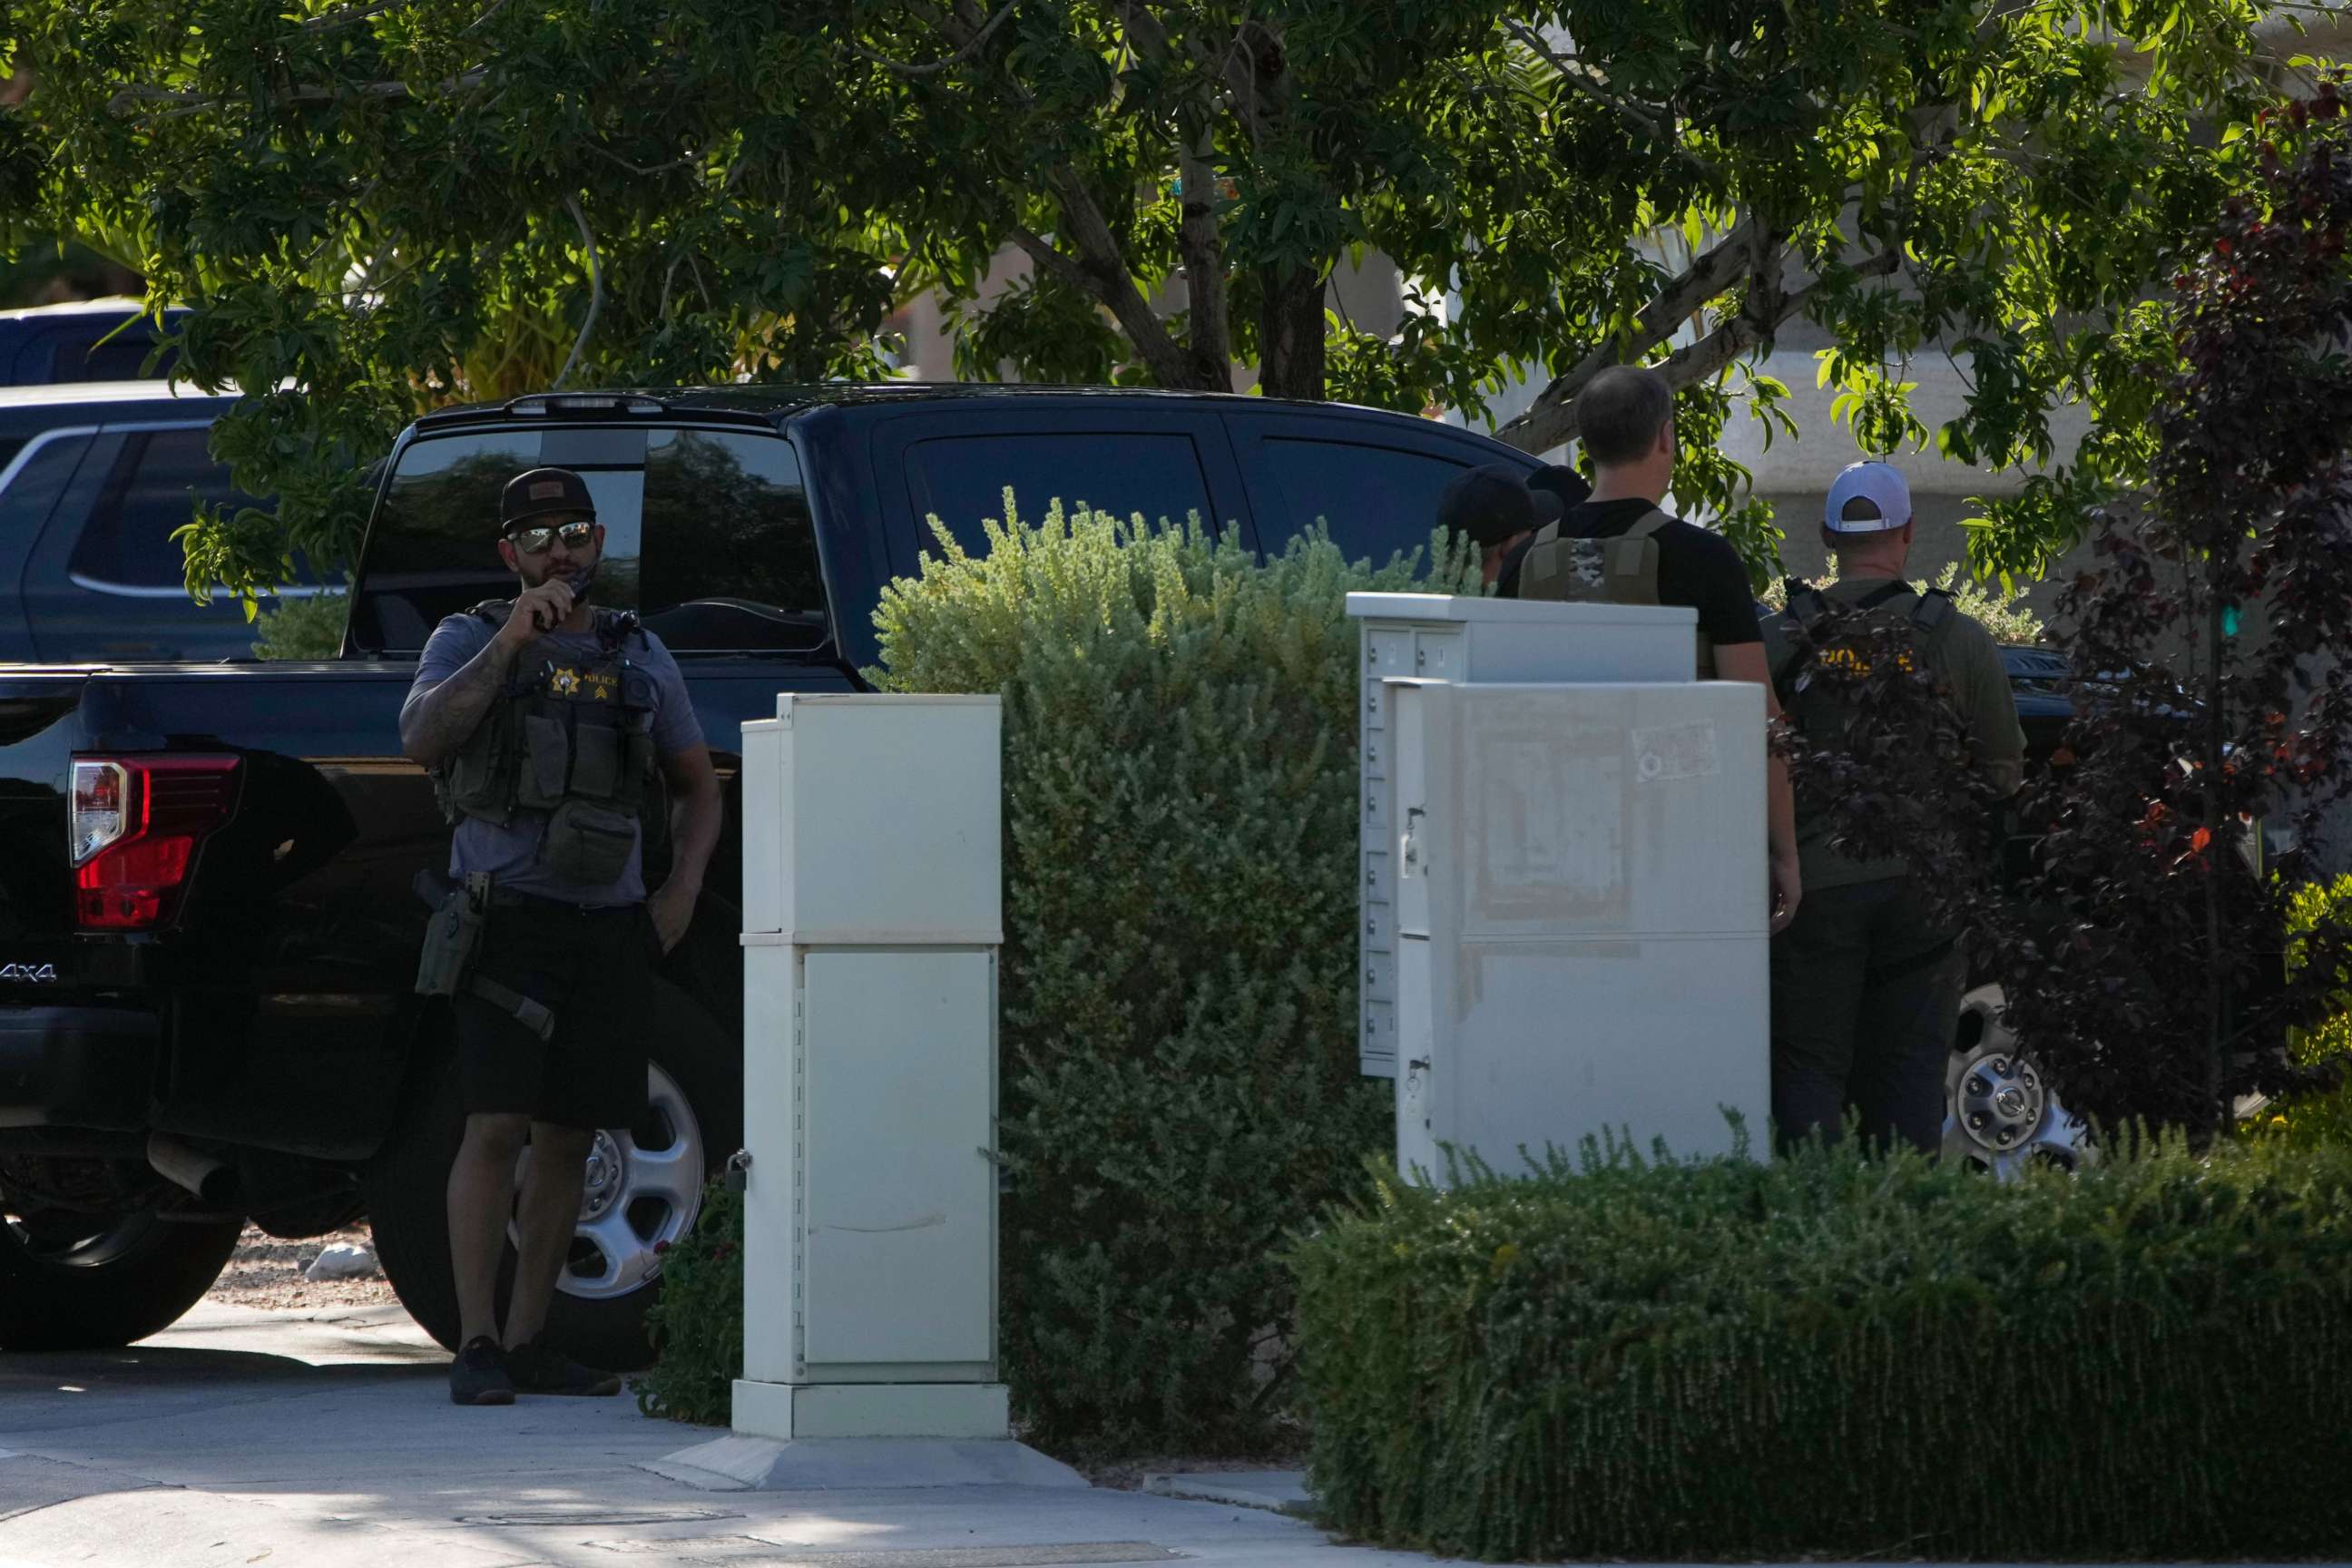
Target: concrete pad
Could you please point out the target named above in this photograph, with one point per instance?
(742, 1462)
(1279, 1491)
(324, 1437)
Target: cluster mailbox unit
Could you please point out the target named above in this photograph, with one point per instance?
(872, 916)
(1564, 888)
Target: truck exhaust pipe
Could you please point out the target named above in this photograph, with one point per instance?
(212, 1180)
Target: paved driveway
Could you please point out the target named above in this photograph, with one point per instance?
(317, 1439)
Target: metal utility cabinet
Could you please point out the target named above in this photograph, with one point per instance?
(1579, 916)
(873, 913)
(1458, 638)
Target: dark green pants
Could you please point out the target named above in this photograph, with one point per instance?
(1866, 994)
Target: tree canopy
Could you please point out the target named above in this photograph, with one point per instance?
(384, 205)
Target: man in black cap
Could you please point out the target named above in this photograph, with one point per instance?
(542, 719)
(1500, 507)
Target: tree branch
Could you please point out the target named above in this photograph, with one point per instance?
(1201, 246)
(192, 101)
(640, 169)
(1546, 425)
(1235, 67)
(595, 292)
(1656, 321)
(964, 52)
(1574, 74)
(1100, 270)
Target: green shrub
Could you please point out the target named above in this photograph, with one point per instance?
(1832, 1355)
(307, 629)
(2320, 1119)
(697, 1326)
(1179, 1084)
(2309, 907)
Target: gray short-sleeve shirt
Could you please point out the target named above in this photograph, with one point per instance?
(512, 854)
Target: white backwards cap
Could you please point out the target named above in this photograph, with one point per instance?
(1887, 500)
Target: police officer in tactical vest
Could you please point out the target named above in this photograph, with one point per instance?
(1865, 983)
(549, 725)
(1617, 545)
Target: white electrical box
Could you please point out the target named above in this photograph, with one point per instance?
(1458, 638)
(870, 827)
(1580, 917)
(873, 910)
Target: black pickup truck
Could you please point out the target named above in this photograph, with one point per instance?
(208, 932)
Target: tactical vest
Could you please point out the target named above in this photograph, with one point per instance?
(1798, 639)
(570, 738)
(1623, 570)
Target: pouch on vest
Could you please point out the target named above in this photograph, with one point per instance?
(546, 761)
(597, 761)
(1623, 570)
(588, 843)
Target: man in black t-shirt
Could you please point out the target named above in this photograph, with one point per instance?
(1625, 417)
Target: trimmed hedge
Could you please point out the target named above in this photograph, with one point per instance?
(1179, 1085)
(1831, 1355)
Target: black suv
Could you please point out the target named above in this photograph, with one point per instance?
(94, 477)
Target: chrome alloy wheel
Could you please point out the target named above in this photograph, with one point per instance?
(2000, 1113)
(641, 1191)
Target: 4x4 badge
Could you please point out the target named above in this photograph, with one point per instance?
(29, 974)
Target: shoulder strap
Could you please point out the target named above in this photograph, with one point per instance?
(1629, 561)
(494, 611)
(1808, 606)
(1933, 616)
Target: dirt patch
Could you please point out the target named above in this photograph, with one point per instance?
(266, 1272)
(1127, 1475)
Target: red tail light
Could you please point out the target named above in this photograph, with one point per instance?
(134, 831)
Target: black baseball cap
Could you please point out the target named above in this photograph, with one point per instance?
(543, 492)
(1563, 481)
(1493, 503)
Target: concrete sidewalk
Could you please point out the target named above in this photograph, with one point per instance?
(324, 1439)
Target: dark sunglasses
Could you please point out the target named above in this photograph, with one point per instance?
(535, 539)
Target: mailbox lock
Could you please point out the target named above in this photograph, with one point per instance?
(738, 1170)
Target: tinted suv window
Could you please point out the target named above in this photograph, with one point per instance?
(706, 535)
(960, 480)
(128, 543)
(1377, 500)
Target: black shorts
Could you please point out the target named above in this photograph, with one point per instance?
(592, 969)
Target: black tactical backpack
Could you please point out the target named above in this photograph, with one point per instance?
(1814, 636)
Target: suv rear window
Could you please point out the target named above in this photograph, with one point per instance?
(706, 535)
(147, 497)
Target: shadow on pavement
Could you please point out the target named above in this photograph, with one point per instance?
(176, 1366)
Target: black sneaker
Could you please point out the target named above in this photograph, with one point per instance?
(478, 1375)
(539, 1367)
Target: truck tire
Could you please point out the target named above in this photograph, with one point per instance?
(107, 1282)
(694, 1121)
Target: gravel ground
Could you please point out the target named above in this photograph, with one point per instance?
(266, 1272)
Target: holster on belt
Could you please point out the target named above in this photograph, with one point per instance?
(446, 965)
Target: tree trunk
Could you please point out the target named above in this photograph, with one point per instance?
(1290, 334)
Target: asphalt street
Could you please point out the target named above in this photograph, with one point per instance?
(324, 1439)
